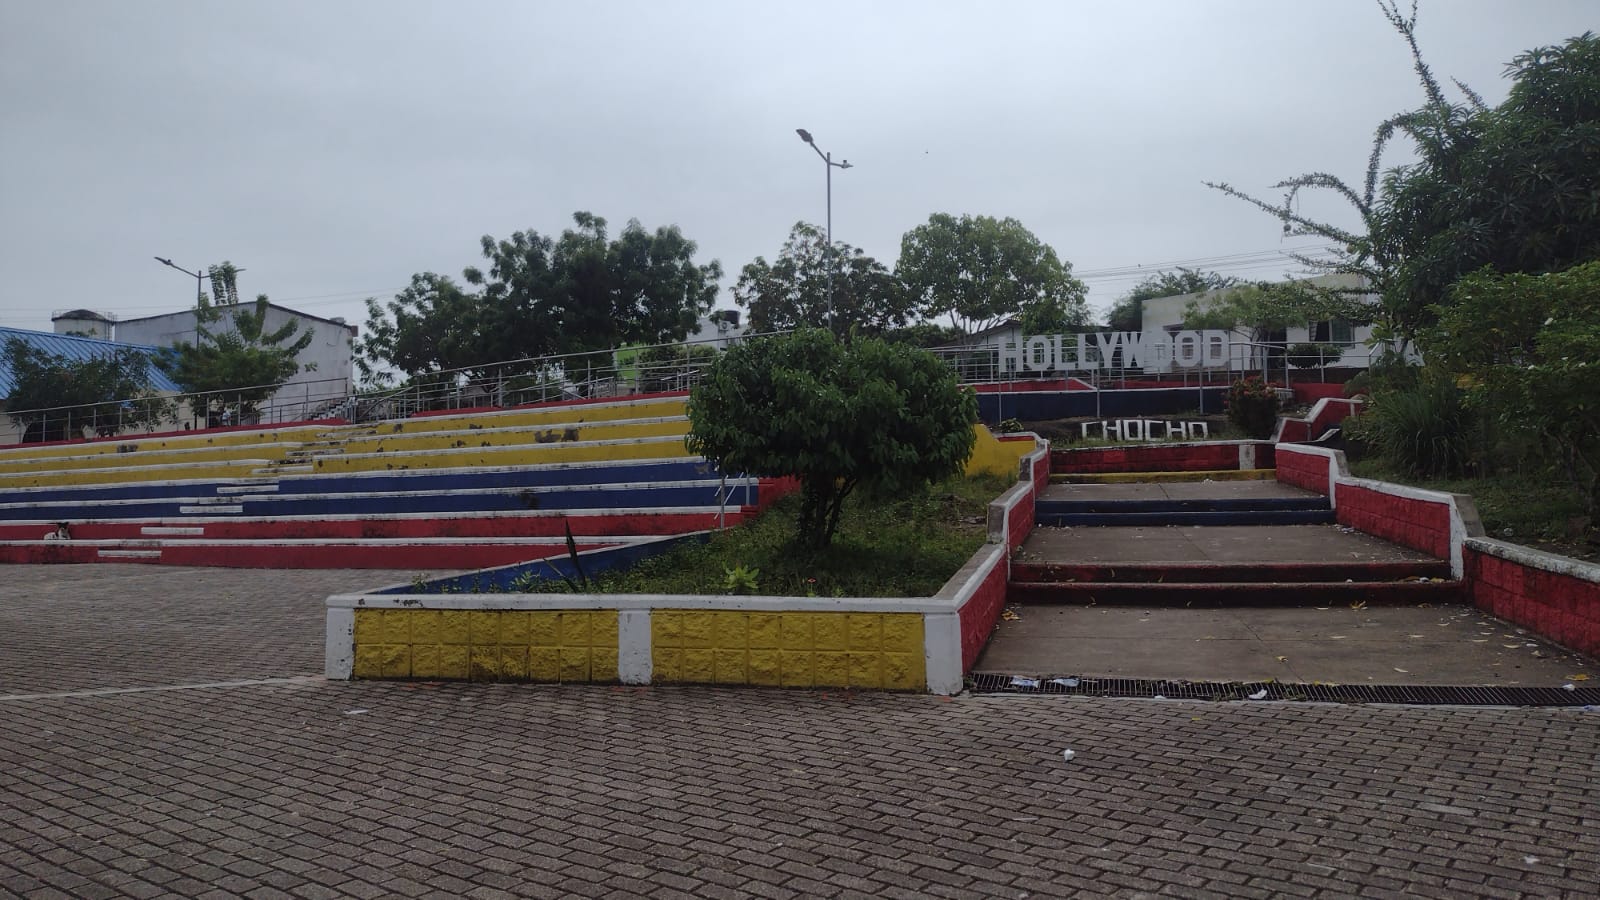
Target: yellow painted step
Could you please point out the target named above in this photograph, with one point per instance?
(547, 417)
(45, 465)
(237, 468)
(166, 442)
(668, 447)
(522, 435)
(1163, 477)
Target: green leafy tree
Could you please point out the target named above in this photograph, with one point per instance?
(1263, 310)
(793, 291)
(1514, 188)
(238, 365)
(1528, 347)
(1367, 249)
(869, 414)
(1127, 313)
(540, 296)
(979, 271)
(56, 398)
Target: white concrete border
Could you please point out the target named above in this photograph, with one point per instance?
(340, 655)
(1537, 559)
(635, 663)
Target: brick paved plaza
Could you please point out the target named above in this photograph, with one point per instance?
(296, 787)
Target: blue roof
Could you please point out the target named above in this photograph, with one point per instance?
(76, 348)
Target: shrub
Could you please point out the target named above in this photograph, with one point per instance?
(1253, 406)
(1309, 356)
(888, 418)
(1427, 430)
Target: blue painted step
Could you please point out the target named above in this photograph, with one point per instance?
(629, 496)
(1227, 517)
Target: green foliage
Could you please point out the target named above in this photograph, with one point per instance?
(741, 580)
(1529, 348)
(55, 398)
(1262, 308)
(926, 335)
(673, 367)
(1253, 407)
(1127, 313)
(541, 296)
(1426, 430)
(1311, 355)
(793, 291)
(979, 271)
(241, 361)
(885, 417)
(1512, 187)
(889, 547)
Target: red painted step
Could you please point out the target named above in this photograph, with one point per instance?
(1212, 573)
(1237, 593)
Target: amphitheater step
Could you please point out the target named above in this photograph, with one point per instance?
(1236, 593)
(1160, 477)
(283, 469)
(106, 553)
(210, 510)
(1048, 505)
(248, 488)
(1212, 573)
(172, 531)
(1224, 517)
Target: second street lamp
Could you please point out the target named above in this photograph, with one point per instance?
(827, 159)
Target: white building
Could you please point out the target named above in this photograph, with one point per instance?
(1166, 315)
(326, 374)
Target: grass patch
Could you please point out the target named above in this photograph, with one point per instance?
(1538, 509)
(884, 548)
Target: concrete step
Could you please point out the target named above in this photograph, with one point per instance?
(1214, 573)
(233, 489)
(1233, 517)
(279, 469)
(1235, 593)
(210, 510)
(173, 530)
(314, 452)
(1173, 505)
(1162, 477)
(106, 553)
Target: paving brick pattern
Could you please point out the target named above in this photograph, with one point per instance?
(315, 789)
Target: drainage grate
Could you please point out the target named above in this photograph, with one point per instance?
(1418, 695)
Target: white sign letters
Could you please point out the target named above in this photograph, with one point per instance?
(1114, 350)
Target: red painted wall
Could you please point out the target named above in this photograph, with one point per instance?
(1156, 458)
(1419, 524)
(1303, 470)
(982, 611)
(1560, 607)
(1311, 392)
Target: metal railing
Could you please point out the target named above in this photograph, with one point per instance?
(619, 373)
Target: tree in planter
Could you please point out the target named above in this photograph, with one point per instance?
(1253, 407)
(881, 417)
(236, 367)
(55, 398)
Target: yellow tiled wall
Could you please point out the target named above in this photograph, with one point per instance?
(486, 645)
(793, 649)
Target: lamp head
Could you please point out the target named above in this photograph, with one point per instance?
(804, 135)
(845, 164)
(165, 262)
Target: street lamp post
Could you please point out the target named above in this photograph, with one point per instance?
(199, 278)
(827, 159)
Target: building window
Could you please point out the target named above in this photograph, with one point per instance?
(1332, 331)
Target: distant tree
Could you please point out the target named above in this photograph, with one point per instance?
(1127, 313)
(980, 271)
(792, 292)
(234, 361)
(540, 296)
(926, 335)
(882, 417)
(56, 398)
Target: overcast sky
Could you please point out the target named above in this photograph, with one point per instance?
(332, 149)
